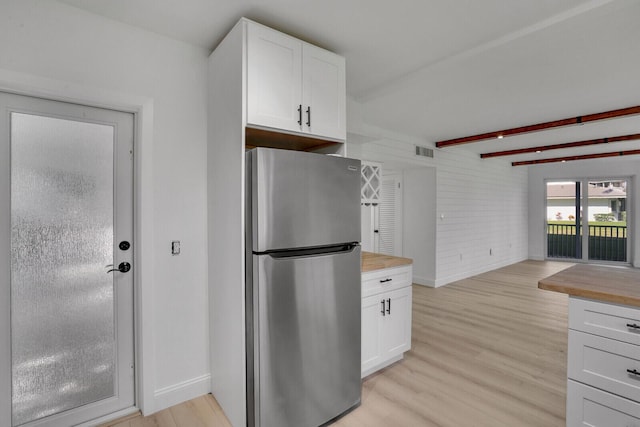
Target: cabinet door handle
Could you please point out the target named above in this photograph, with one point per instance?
(633, 326)
(388, 305)
(300, 114)
(385, 280)
(309, 116)
(382, 308)
(633, 372)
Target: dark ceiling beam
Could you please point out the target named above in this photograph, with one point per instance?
(541, 148)
(582, 157)
(541, 126)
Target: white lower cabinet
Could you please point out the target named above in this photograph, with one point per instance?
(371, 333)
(588, 406)
(603, 365)
(386, 318)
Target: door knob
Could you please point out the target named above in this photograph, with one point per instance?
(123, 267)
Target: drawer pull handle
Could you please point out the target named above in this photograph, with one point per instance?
(633, 326)
(385, 280)
(633, 372)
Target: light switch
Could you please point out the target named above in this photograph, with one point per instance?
(175, 247)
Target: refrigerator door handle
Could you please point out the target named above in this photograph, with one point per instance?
(305, 252)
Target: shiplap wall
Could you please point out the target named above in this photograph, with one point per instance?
(481, 205)
(482, 214)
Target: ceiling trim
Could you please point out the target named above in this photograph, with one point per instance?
(541, 148)
(541, 126)
(572, 158)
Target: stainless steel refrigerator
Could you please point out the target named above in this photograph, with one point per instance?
(303, 287)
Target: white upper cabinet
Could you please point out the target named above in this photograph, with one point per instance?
(274, 79)
(323, 93)
(294, 86)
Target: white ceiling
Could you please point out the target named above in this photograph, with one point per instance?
(440, 69)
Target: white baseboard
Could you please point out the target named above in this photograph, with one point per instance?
(381, 365)
(479, 270)
(111, 417)
(423, 281)
(181, 392)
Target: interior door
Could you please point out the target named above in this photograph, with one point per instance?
(390, 221)
(66, 229)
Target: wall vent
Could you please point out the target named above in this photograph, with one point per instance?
(424, 151)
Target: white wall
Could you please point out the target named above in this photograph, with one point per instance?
(395, 152)
(48, 47)
(419, 222)
(484, 205)
(595, 168)
(481, 218)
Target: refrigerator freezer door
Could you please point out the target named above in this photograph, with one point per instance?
(307, 363)
(303, 199)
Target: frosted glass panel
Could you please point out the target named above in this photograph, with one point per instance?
(62, 317)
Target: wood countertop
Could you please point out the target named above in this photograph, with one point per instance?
(372, 261)
(619, 285)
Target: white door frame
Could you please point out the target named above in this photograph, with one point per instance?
(142, 108)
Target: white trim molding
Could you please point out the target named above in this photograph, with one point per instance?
(142, 107)
(181, 392)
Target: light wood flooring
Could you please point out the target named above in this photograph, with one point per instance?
(486, 351)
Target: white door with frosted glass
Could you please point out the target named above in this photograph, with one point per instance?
(66, 262)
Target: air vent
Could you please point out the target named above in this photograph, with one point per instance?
(424, 151)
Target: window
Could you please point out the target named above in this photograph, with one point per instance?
(596, 205)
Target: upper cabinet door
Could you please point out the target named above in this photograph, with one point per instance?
(294, 86)
(274, 79)
(324, 93)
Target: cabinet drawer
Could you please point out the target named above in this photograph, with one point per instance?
(587, 406)
(388, 279)
(603, 363)
(615, 321)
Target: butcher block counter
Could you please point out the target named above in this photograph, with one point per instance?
(619, 285)
(372, 261)
(603, 357)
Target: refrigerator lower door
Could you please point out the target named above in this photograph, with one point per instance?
(306, 338)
